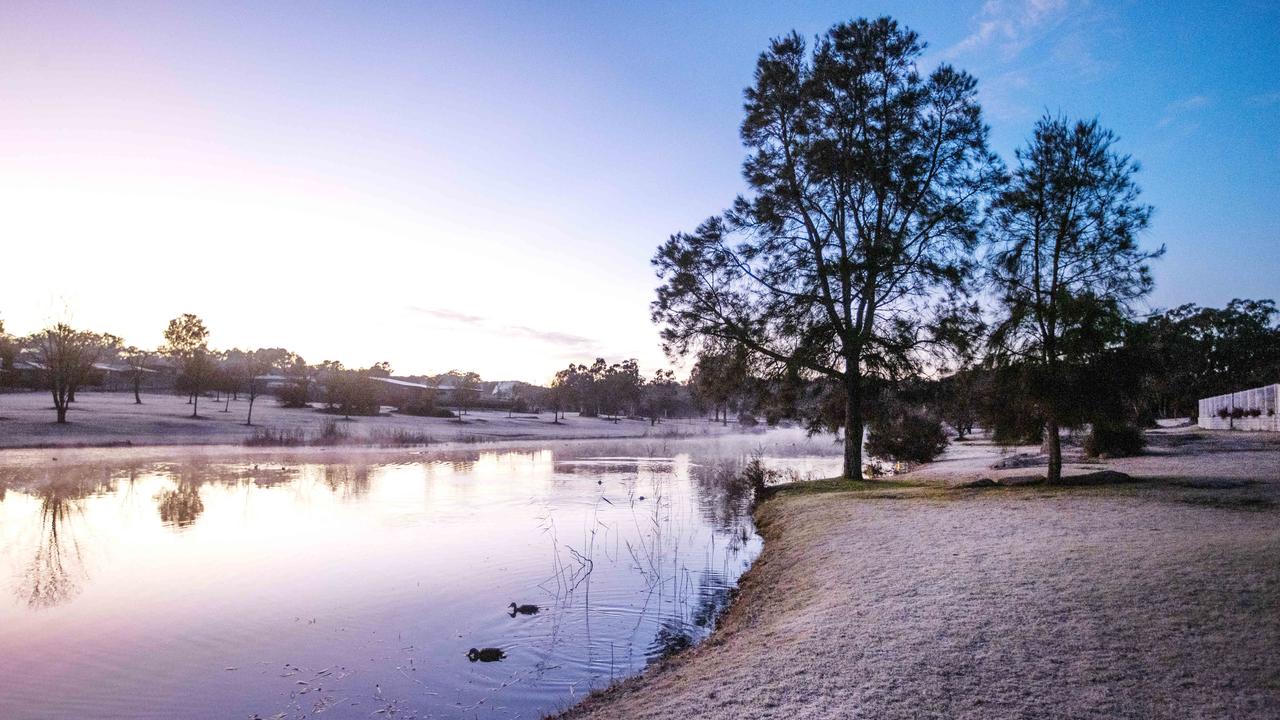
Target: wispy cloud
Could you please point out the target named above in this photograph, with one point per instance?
(551, 336)
(1181, 109)
(570, 342)
(445, 314)
(1264, 100)
(1010, 26)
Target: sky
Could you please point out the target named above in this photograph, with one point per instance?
(482, 185)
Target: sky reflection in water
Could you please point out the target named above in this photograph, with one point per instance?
(227, 589)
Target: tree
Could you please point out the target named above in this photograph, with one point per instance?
(867, 178)
(619, 389)
(137, 359)
(1065, 259)
(720, 377)
(659, 394)
(260, 362)
(1200, 352)
(562, 391)
(8, 353)
(187, 342)
(67, 356)
(465, 384)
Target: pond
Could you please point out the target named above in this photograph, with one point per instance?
(284, 586)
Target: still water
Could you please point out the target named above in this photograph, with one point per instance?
(284, 586)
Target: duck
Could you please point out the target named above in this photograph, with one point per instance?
(522, 609)
(485, 654)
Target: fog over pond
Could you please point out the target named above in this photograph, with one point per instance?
(284, 585)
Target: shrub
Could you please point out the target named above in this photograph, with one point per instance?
(911, 437)
(426, 408)
(270, 437)
(1114, 440)
(1255, 412)
(292, 394)
(1237, 413)
(747, 420)
(331, 433)
(1224, 413)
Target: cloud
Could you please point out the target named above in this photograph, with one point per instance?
(1010, 26)
(551, 336)
(1264, 100)
(569, 341)
(449, 315)
(1181, 109)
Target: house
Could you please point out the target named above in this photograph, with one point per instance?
(1252, 409)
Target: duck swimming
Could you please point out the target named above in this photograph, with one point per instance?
(522, 609)
(485, 654)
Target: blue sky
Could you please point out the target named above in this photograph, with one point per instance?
(482, 185)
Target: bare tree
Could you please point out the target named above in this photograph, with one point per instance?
(137, 360)
(867, 179)
(258, 363)
(67, 357)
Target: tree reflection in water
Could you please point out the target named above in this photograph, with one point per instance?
(56, 569)
(180, 505)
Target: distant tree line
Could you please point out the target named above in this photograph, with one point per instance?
(62, 359)
(616, 390)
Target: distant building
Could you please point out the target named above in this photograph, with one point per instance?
(1253, 409)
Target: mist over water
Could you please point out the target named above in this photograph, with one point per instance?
(279, 586)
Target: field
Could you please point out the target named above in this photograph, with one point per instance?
(100, 419)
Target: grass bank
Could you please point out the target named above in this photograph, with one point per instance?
(914, 599)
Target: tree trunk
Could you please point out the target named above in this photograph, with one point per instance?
(195, 404)
(249, 420)
(137, 391)
(1053, 443)
(60, 405)
(853, 427)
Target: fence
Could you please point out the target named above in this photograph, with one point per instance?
(1253, 409)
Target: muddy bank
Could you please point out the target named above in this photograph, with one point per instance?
(1153, 599)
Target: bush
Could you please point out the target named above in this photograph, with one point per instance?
(1114, 440)
(1224, 413)
(426, 408)
(1255, 412)
(292, 395)
(910, 437)
(1237, 413)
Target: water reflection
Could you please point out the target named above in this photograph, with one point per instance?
(278, 585)
(180, 505)
(57, 565)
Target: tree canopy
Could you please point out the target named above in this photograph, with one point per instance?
(853, 248)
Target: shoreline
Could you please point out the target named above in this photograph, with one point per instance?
(102, 421)
(1025, 601)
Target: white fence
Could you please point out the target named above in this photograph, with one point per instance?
(1256, 408)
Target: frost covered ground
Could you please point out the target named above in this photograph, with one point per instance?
(1159, 599)
(26, 420)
